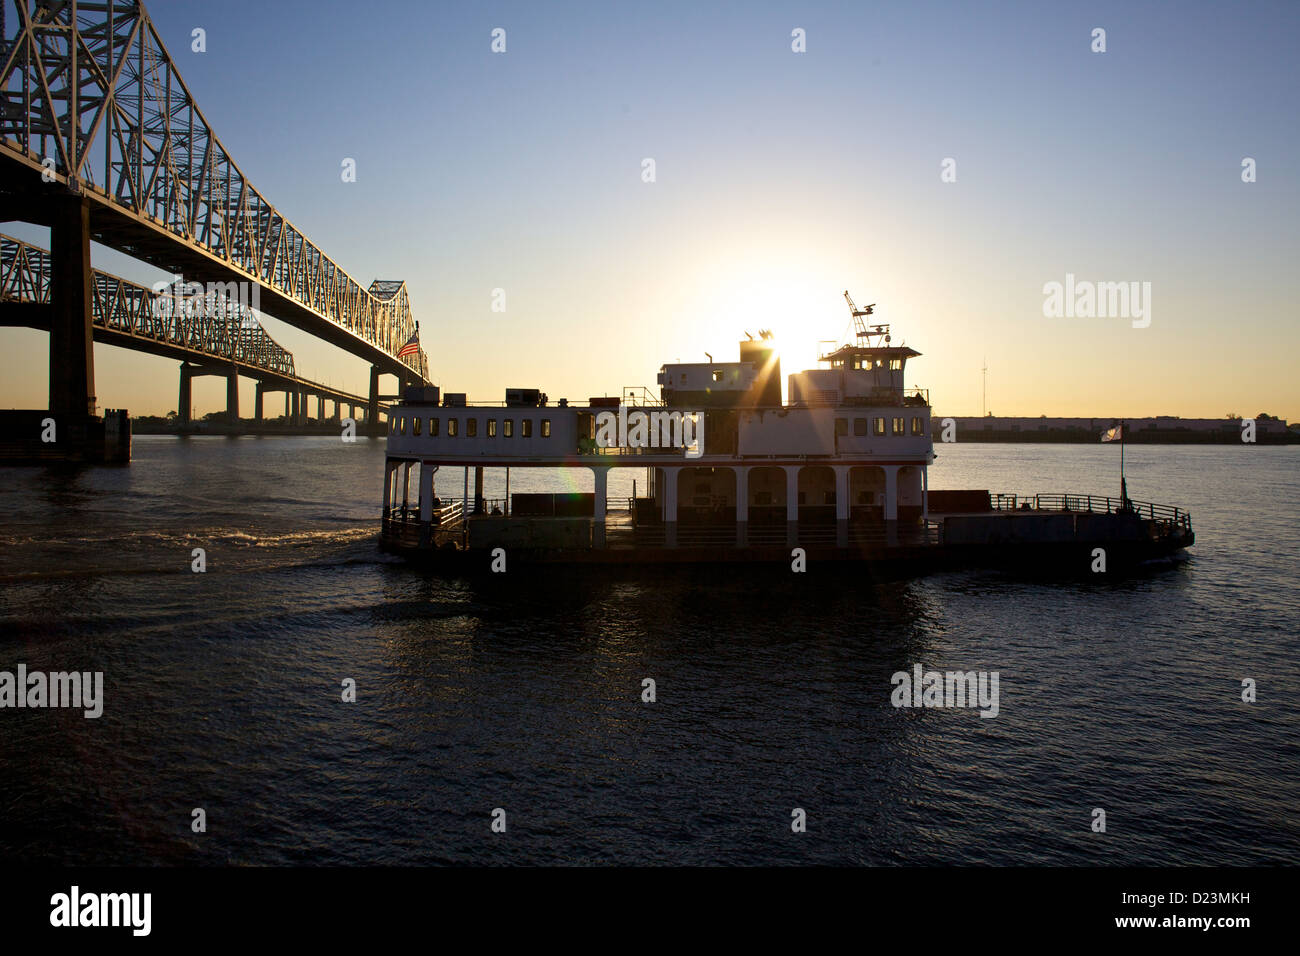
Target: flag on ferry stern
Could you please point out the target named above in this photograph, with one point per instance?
(412, 345)
(1113, 434)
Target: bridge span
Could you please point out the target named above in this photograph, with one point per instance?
(100, 139)
(210, 334)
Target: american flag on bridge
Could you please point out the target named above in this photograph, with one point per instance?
(412, 346)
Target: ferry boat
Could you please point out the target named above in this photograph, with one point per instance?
(729, 472)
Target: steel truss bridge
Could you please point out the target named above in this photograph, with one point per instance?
(101, 139)
(217, 334)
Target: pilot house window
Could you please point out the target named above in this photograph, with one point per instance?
(898, 426)
(526, 428)
(918, 426)
(451, 428)
(880, 426)
(859, 427)
(471, 427)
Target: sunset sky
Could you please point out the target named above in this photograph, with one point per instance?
(782, 179)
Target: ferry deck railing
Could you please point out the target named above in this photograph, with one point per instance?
(402, 523)
(1095, 504)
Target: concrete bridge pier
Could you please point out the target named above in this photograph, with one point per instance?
(287, 419)
(185, 401)
(257, 404)
(232, 396)
(72, 344)
(372, 409)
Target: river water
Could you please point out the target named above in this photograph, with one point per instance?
(222, 690)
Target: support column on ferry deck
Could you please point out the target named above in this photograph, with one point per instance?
(601, 474)
(791, 505)
(478, 489)
(232, 396)
(186, 398)
(406, 488)
(426, 504)
(388, 487)
(670, 506)
(841, 506)
(891, 503)
(925, 493)
(257, 402)
(742, 505)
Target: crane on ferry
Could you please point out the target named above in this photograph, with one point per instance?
(863, 330)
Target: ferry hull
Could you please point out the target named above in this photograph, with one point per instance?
(1058, 558)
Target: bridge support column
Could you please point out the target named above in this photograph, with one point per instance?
(72, 344)
(287, 396)
(372, 410)
(295, 415)
(257, 404)
(232, 396)
(185, 401)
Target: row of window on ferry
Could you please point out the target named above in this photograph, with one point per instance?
(897, 426)
(398, 426)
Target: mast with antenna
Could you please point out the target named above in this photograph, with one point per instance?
(984, 397)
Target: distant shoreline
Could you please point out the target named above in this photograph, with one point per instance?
(1137, 438)
(963, 436)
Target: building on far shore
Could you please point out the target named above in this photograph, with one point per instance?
(1162, 429)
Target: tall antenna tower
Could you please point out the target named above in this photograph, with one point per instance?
(984, 398)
